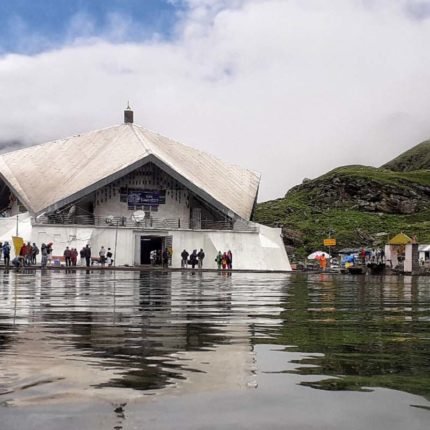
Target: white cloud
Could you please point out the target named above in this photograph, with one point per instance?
(288, 88)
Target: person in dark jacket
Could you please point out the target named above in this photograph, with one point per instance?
(165, 257)
(34, 253)
(87, 255)
(49, 250)
(230, 259)
(74, 256)
(68, 256)
(201, 256)
(6, 253)
(193, 259)
(184, 256)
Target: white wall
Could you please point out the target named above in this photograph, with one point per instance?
(8, 229)
(263, 250)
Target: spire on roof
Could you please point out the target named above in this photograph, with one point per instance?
(128, 114)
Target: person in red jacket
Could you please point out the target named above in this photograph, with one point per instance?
(74, 256)
(68, 256)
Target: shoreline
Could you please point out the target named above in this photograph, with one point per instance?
(141, 269)
(190, 270)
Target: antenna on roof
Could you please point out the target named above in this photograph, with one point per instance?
(128, 114)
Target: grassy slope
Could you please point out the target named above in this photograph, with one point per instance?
(416, 158)
(296, 212)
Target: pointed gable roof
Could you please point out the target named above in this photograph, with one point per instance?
(400, 239)
(48, 176)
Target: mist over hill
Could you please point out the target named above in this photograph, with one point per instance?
(11, 145)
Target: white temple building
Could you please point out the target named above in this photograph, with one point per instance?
(133, 190)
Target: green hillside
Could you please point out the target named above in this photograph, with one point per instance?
(358, 205)
(416, 158)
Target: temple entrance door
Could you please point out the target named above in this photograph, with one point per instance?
(147, 244)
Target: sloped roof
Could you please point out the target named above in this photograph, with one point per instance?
(400, 239)
(47, 176)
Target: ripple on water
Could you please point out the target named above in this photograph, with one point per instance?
(131, 333)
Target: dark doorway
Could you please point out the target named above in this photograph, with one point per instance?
(148, 244)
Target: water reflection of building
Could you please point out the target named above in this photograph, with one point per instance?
(146, 329)
(128, 188)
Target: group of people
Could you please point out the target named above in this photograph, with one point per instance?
(156, 256)
(194, 259)
(28, 253)
(376, 255)
(224, 260)
(105, 256)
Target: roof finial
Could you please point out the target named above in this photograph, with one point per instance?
(128, 114)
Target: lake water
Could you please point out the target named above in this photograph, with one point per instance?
(154, 350)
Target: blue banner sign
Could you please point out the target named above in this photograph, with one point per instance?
(143, 198)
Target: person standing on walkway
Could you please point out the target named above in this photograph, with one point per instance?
(34, 253)
(218, 260)
(67, 256)
(6, 253)
(29, 254)
(82, 256)
(87, 254)
(200, 256)
(193, 258)
(184, 259)
(102, 255)
(153, 257)
(224, 261)
(230, 259)
(74, 256)
(109, 256)
(44, 253)
(49, 251)
(165, 257)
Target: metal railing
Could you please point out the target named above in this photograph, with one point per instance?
(146, 223)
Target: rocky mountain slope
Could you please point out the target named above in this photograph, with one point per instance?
(358, 205)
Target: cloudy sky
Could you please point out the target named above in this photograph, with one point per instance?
(290, 88)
